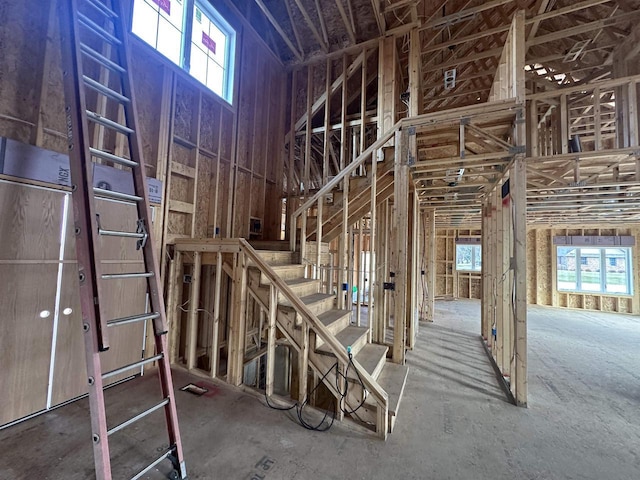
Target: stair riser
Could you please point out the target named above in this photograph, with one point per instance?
(290, 273)
(334, 328)
(277, 257)
(307, 288)
(356, 346)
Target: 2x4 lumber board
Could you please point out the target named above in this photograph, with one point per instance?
(327, 123)
(224, 245)
(271, 339)
(183, 170)
(192, 318)
(312, 26)
(344, 232)
(215, 334)
(380, 20)
(237, 329)
(294, 27)
(520, 278)
(345, 20)
(431, 264)
(279, 29)
(587, 27)
(387, 86)
(415, 74)
(401, 203)
(464, 14)
(337, 83)
(182, 207)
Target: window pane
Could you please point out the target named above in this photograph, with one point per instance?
(215, 77)
(567, 268)
(160, 24)
(211, 40)
(198, 64)
(145, 22)
(590, 269)
(169, 41)
(617, 274)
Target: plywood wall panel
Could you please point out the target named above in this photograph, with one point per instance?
(205, 192)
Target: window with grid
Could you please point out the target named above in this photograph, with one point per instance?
(193, 35)
(594, 269)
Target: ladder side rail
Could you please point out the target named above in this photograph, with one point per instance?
(86, 233)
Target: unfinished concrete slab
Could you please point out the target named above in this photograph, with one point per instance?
(582, 422)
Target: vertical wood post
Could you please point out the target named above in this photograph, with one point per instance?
(271, 339)
(401, 203)
(215, 340)
(192, 319)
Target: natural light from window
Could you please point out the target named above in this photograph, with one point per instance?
(207, 55)
(594, 269)
(469, 258)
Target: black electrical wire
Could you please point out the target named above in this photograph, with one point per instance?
(322, 426)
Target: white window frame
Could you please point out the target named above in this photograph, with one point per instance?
(602, 258)
(185, 48)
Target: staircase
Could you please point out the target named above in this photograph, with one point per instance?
(359, 203)
(370, 358)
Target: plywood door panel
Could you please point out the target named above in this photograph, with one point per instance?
(30, 222)
(70, 372)
(123, 298)
(25, 337)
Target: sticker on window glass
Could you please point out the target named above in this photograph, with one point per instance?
(164, 5)
(198, 15)
(208, 42)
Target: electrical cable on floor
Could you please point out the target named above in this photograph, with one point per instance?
(322, 426)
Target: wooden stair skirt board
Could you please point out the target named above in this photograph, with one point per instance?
(372, 357)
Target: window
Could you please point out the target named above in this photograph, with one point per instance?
(595, 269)
(192, 35)
(469, 258)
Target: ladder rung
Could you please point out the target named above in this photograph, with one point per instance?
(153, 464)
(113, 158)
(132, 366)
(121, 276)
(116, 233)
(104, 121)
(106, 91)
(117, 195)
(102, 8)
(138, 417)
(116, 322)
(101, 59)
(98, 30)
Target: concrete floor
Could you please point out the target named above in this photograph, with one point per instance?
(583, 420)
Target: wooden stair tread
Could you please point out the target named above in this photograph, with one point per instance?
(392, 380)
(332, 316)
(372, 358)
(311, 299)
(349, 336)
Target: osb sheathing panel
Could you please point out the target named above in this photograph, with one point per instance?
(476, 287)
(148, 90)
(203, 198)
(181, 189)
(178, 223)
(210, 125)
(463, 287)
(241, 206)
(224, 196)
(257, 198)
(21, 51)
(186, 108)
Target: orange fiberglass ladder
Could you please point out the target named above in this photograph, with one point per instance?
(94, 34)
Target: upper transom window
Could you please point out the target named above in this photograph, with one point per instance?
(192, 35)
